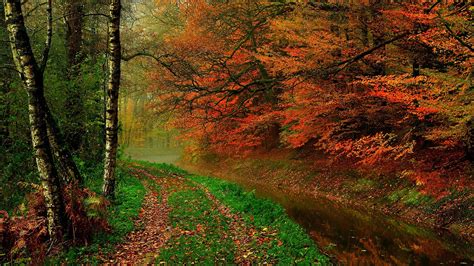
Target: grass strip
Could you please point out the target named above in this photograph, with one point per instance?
(199, 231)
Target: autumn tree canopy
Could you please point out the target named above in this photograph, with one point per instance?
(372, 83)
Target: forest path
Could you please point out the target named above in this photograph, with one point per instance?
(195, 227)
(152, 227)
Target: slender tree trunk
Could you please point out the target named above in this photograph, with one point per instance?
(67, 167)
(5, 81)
(416, 68)
(32, 78)
(111, 119)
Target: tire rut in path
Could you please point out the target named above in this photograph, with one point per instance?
(153, 229)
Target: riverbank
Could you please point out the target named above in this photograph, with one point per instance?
(392, 196)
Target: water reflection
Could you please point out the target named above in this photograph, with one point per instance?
(357, 238)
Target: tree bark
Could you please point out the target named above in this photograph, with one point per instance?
(111, 119)
(32, 79)
(68, 169)
(5, 81)
(416, 68)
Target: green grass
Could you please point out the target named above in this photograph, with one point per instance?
(201, 234)
(362, 185)
(191, 210)
(297, 247)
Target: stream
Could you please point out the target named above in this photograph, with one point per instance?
(354, 237)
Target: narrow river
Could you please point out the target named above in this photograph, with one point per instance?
(354, 237)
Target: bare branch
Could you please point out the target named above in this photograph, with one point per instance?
(34, 9)
(427, 11)
(340, 66)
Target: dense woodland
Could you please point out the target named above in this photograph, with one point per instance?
(384, 86)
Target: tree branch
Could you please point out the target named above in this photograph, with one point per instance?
(11, 68)
(427, 11)
(451, 32)
(152, 56)
(34, 9)
(340, 66)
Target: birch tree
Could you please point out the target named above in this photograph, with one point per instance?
(112, 98)
(31, 74)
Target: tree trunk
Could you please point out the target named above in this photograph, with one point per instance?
(470, 139)
(74, 105)
(5, 81)
(111, 119)
(67, 167)
(416, 68)
(74, 14)
(32, 79)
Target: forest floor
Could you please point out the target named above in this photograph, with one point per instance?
(191, 219)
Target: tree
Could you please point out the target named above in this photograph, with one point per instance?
(31, 74)
(74, 106)
(112, 99)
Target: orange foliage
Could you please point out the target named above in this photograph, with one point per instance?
(247, 75)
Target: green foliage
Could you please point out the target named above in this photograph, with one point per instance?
(77, 103)
(161, 170)
(18, 170)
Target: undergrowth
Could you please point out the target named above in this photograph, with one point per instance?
(130, 193)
